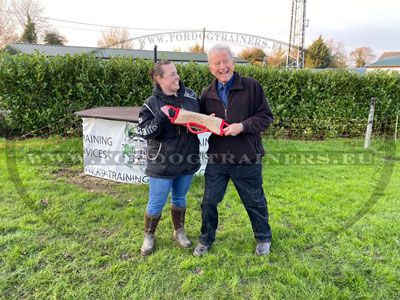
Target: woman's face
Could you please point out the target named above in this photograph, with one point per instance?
(169, 82)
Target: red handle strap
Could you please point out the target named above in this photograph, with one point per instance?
(189, 127)
(176, 110)
(223, 123)
(205, 129)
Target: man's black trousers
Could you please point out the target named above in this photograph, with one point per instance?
(248, 180)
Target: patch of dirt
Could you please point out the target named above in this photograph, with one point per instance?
(89, 183)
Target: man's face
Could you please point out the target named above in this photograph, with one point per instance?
(221, 66)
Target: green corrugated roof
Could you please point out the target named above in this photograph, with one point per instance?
(388, 61)
(51, 50)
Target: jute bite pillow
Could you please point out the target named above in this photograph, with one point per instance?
(197, 123)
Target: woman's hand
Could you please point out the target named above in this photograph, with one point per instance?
(165, 110)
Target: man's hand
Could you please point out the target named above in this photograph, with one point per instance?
(233, 129)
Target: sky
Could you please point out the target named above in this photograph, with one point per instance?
(355, 23)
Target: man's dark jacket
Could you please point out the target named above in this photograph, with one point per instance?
(247, 105)
(171, 149)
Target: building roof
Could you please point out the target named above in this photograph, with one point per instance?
(387, 59)
(106, 53)
(386, 54)
(130, 114)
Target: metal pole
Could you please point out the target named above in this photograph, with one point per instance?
(155, 53)
(303, 33)
(370, 122)
(395, 130)
(204, 37)
(289, 55)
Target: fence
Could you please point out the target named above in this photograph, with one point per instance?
(307, 129)
(282, 128)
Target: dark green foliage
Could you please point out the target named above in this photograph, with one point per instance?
(54, 38)
(29, 35)
(318, 55)
(37, 91)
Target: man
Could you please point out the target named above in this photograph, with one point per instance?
(237, 155)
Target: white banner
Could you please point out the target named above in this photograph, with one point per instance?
(112, 150)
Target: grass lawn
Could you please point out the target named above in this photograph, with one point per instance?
(334, 212)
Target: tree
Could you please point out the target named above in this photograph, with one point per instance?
(362, 56)
(253, 55)
(21, 9)
(54, 38)
(318, 55)
(197, 49)
(338, 54)
(7, 25)
(277, 58)
(115, 38)
(29, 35)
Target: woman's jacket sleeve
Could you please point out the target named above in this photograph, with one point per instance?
(151, 122)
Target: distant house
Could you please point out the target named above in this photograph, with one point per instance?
(107, 53)
(388, 61)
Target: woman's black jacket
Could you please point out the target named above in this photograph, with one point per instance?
(171, 149)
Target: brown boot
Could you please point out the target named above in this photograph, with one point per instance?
(151, 222)
(178, 219)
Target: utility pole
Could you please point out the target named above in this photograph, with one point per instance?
(295, 56)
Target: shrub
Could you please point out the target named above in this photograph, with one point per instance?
(37, 91)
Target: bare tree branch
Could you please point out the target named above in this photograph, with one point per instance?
(362, 56)
(115, 38)
(277, 57)
(7, 26)
(21, 9)
(338, 54)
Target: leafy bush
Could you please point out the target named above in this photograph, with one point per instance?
(37, 91)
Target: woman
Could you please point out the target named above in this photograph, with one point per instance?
(172, 152)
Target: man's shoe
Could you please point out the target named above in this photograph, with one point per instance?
(200, 250)
(263, 248)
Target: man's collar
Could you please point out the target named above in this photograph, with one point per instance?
(228, 85)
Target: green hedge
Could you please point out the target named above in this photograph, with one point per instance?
(37, 91)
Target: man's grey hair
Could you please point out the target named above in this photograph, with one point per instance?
(218, 48)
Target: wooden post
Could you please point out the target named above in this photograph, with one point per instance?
(370, 122)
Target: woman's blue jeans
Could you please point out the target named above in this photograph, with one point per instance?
(160, 188)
